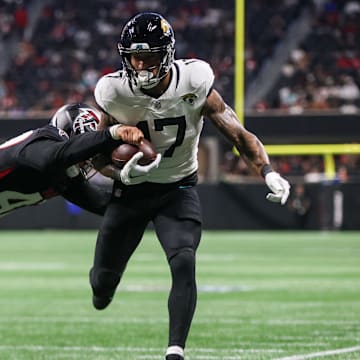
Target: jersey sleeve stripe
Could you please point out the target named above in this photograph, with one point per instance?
(5, 172)
(177, 74)
(102, 109)
(210, 90)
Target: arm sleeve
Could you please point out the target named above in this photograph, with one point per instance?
(88, 196)
(46, 153)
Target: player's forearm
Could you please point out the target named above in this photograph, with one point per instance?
(55, 152)
(85, 146)
(101, 163)
(254, 154)
(251, 150)
(249, 146)
(110, 171)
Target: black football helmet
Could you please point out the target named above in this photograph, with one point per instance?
(76, 118)
(147, 32)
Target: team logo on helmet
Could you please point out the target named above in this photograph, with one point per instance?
(165, 26)
(151, 27)
(86, 121)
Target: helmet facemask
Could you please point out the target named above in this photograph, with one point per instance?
(145, 78)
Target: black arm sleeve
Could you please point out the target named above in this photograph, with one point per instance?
(46, 153)
(88, 196)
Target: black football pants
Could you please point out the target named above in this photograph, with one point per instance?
(176, 215)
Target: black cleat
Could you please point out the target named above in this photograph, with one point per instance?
(101, 303)
(174, 357)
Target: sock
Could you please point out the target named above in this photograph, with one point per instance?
(175, 350)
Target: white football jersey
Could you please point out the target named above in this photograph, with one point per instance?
(172, 122)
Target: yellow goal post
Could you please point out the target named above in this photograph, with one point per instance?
(328, 151)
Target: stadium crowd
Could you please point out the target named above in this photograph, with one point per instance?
(299, 168)
(266, 26)
(323, 72)
(66, 50)
(70, 48)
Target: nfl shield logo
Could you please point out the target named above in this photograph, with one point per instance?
(157, 104)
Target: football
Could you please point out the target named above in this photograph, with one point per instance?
(124, 152)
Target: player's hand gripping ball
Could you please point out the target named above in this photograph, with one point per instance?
(124, 152)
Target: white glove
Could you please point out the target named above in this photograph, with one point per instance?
(279, 186)
(132, 173)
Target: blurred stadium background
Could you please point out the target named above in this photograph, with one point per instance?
(290, 68)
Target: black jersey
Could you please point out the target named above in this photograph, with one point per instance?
(34, 167)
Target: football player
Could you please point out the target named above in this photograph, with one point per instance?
(167, 99)
(42, 163)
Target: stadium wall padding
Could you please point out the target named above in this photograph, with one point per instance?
(229, 206)
(271, 129)
(305, 129)
(225, 206)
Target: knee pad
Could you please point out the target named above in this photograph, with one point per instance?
(104, 281)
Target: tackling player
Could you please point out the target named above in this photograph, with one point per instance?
(167, 99)
(42, 163)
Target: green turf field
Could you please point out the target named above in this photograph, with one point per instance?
(262, 295)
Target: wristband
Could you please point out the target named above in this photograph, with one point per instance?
(113, 129)
(265, 170)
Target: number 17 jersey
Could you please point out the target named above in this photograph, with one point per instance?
(172, 122)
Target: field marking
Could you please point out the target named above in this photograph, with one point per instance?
(322, 353)
(19, 266)
(40, 348)
(140, 320)
(194, 357)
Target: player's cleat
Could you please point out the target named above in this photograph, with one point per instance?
(101, 303)
(174, 357)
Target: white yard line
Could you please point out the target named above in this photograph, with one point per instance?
(194, 357)
(40, 348)
(32, 266)
(230, 353)
(111, 320)
(321, 353)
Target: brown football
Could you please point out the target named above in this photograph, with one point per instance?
(124, 152)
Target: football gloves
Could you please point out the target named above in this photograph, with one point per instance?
(279, 186)
(132, 173)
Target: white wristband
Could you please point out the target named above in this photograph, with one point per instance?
(113, 133)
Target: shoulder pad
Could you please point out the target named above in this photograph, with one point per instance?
(198, 73)
(104, 91)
